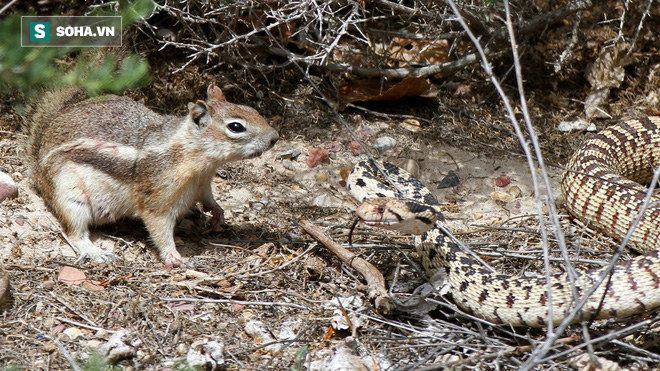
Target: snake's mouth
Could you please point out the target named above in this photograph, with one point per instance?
(369, 222)
(377, 223)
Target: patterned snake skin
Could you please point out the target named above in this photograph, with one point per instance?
(602, 186)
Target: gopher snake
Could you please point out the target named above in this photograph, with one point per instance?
(601, 186)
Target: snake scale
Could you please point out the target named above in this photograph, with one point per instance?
(604, 185)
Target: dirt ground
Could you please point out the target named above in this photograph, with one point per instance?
(261, 267)
(260, 293)
(261, 287)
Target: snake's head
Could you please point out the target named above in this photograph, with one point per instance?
(398, 215)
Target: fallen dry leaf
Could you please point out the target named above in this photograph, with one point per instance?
(378, 90)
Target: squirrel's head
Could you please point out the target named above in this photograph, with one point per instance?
(228, 131)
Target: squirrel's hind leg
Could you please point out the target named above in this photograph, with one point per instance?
(71, 205)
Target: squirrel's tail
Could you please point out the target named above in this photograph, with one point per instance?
(41, 113)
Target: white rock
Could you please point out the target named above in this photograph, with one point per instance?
(289, 154)
(322, 200)
(353, 305)
(206, 355)
(73, 333)
(579, 124)
(383, 144)
(346, 359)
(261, 335)
(8, 188)
(288, 165)
(288, 331)
(115, 348)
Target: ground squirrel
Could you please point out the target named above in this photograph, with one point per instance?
(97, 160)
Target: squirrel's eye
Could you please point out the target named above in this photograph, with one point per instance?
(236, 127)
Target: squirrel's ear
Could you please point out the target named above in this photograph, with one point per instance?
(200, 112)
(215, 93)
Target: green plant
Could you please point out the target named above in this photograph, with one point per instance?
(29, 70)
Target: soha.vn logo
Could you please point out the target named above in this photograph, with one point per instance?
(39, 31)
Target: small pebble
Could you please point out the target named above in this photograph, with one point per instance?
(321, 201)
(49, 347)
(166, 34)
(366, 132)
(288, 165)
(8, 188)
(73, 333)
(335, 147)
(515, 191)
(316, 156)
(411, 125)
(290, 237)
(410, 166)
(356, 148)
(383, 144)
(502, 181)
(577, 125)
(288, 154)
(344, 172)
(451, 180)
(501, 196)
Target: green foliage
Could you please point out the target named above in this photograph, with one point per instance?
(97, 362)
(29, 70)
(299, 363)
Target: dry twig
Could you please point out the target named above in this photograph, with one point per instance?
(375, 280)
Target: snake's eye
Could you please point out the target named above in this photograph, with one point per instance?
(381, 209)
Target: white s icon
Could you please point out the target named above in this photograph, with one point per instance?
(39, 31)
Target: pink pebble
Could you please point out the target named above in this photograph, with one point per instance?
(502, 181)
(316, 156)
(355, 148)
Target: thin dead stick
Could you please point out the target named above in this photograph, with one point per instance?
(231, 301)
(512, 350)
(67, 356)
(375, 280)
(77, 313)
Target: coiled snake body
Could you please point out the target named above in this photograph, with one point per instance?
(602, 186)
